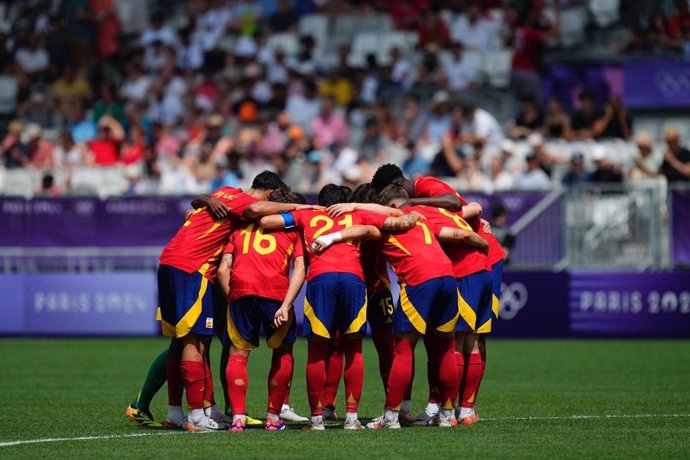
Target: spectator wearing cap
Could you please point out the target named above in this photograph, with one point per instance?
(479, 126)
(576, 174)
(528, 120)
(329, 126)
(459, 73)
(647, 161)
(605, 170)
(584, 118)
(676, 165)
(533, 178)
(472, 30)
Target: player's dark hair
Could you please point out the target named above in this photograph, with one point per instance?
(391, 193)
(299, 198)
(332, 194)
(347, 190)
(364, 193)
(386, 175)
(282, 195)
(268, 180)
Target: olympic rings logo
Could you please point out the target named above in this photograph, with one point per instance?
(672, 84)
(513, 299)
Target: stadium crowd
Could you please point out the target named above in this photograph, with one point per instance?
(179, 109)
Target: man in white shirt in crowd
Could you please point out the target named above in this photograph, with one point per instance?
(460, 72)
(534, 178)
(479, 126)
(472, 30)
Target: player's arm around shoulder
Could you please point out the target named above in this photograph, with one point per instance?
(462, 236)
(339, 209)
(260, 209)
(353, 233)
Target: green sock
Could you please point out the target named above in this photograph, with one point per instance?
(154, 381)
(224, 356)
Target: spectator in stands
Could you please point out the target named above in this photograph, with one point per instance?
(304, 108)
(156, 57)
(576, 174)
(108, 27)
(533, 178)
(104, 150)
(414, 119)
(12, 152)
(501, 179)
(439, 119)
(135, 86)
(556, 121)
(108, 104)
(605, 170)
(501, 231)
(135, 145)
(402, 72)
(474, 178)
(38, 150)
(32, 61)
(415, 165)
(647, 162)
(284, 18)
(67, 153)
(337, 87)
(70, 87)
(615, 122)
(472, 30)
(405, 13)
(329, 126)
(432, 29)
(48, 188)
(36, 110)
(528, 120)
(676, 165)
(83, 129)
(583, 119)
(679, 21)
(479, 125)
(460, 73)
(158, 31)
(528, 44)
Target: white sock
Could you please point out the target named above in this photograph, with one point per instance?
(405, 406)
(239, 417)
(446, 413)
(273, 417)
(175, 413)
(316, 419)
(432, 408)
(466, 411)
(351, 416)
(391, 415)
(196, 415)
(284, 407)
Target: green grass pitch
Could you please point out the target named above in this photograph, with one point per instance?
(633, 396)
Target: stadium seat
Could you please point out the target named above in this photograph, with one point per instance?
(573, 24)
(134, 15)
(19, 182)
(406, 41)
(8, 94)
(363, 44)
(496, 65)
(288, 42)
(315, 25)
(605, 12)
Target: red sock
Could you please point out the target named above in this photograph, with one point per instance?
(354, 373)
(401, 373)
(447, 371)
(175, 383)
(286, 399)
(334, 371)
(317, 353)
(193, 378)
(433, 364)
(460, 367)
(236, 376)
(408, 391)
(384, 342)
(474, 371)
(279, 378)
(209, 400)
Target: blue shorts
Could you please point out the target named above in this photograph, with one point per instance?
(433, 303)
(380, 309)
(186, 302)
(476, 297)
(335, 301)
(220, 308)
(248, 314)
(497, 272)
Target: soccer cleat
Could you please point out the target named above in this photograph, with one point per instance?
(405, 419)
(142, 416)
(288, 414)
(275, 425)
(221, 419)
(315, 425)
(175, 424)
(253, 421)
(445, 421)
(425, 418)
(203, 425)
(470, 419)
(238, 425)
(353, 425)
(329, 414)
(381, 423)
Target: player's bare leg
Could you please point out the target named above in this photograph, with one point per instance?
(354, 378)
(194, 376)
(237, 380)
(317, 354)
(473, 372)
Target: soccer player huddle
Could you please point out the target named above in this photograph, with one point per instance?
(238, 263)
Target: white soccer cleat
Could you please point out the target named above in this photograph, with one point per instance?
(175, 423)
(353, 424)
(316, 424)
(217, 416)
(425, 418)
(380, 423)
(203, 425)
(288, 414)
(445, 420)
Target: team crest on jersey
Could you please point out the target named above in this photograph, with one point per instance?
(209, 323)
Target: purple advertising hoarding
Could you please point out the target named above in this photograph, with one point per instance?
(11, 304)
(630, 304)
(656, 83)
(680, 237)
(89, 303)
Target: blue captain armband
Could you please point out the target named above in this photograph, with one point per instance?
(289, 220)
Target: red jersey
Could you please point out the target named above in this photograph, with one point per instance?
(198, 244)
(374, 266)
(261, 261)
(416, 255)
(466, 259)
(427, 187)
(496, 252)
(341, 257)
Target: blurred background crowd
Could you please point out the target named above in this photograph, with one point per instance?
(138, 97)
